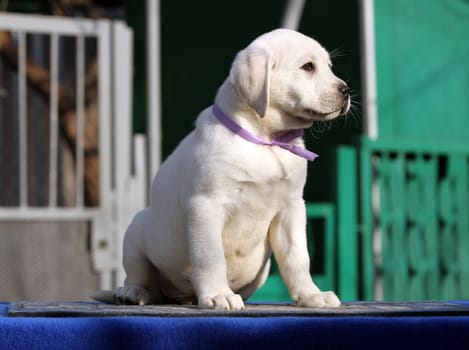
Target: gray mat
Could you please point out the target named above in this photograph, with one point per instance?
(92, 309)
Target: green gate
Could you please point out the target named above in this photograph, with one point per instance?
(414, 177)
(415, 221)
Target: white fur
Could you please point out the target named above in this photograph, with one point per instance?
(220, 204)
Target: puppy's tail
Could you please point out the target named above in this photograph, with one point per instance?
(104, 296)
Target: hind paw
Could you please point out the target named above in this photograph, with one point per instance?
(132, 295)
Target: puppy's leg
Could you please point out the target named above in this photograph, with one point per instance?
(288, 239)
(140, 285)
(209, 275)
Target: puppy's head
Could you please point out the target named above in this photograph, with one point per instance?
(287, 75)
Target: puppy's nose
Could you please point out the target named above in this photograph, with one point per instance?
(344, 89)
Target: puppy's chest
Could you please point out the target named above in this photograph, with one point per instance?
(251, 193)
(256, 178)
(269, 166)
(259, 186)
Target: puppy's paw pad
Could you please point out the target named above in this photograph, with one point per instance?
(322, 299)
(221, 302)
(132, 295)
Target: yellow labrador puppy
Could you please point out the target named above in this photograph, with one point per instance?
(231, 193)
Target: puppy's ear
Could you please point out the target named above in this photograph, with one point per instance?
(250, 76)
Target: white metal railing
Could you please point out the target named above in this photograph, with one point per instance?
(122, 177)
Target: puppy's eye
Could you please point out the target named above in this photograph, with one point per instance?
(309, 67)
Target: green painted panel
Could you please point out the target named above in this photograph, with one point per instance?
(347, 225)
(422, 69)
(415, 222)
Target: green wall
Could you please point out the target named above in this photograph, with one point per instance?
(423, 71)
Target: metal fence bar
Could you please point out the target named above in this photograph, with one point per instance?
(103, 236)
(104, 110)
(122, 133)
(46, 24)
(47, 214)
(23, 122)
(54, 122)
(80, 110)
(292, 14)
(153, 86)
(368, 64)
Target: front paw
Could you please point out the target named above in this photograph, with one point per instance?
(321, 299)
(221, 302)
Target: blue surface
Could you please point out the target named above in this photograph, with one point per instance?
(441, 332)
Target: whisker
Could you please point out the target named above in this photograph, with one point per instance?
(339, 52)
(319, 127)
(354, 112)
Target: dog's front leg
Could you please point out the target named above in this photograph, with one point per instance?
(205, 223)
(288, 239)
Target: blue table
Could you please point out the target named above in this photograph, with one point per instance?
(398, 330)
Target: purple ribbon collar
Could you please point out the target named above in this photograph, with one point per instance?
(280, 142)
